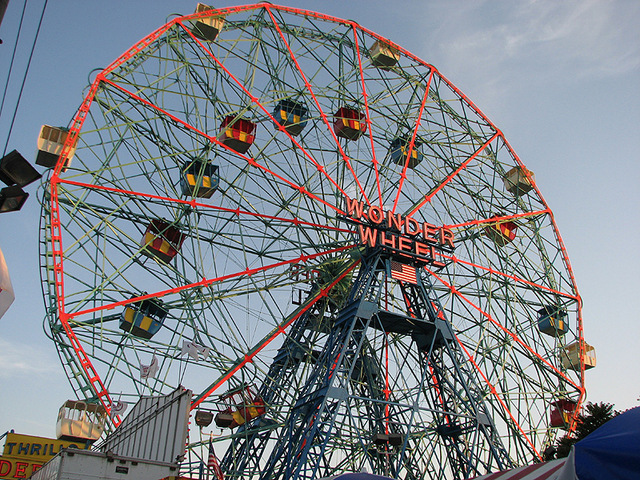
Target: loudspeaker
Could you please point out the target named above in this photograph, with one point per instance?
(15, 170)
(12, 198)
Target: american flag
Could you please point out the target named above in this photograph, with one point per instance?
(213, 465)
(404, 273)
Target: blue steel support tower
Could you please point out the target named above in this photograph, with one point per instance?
(347, 404)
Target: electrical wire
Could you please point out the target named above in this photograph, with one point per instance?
(24, 78)
(13, 56)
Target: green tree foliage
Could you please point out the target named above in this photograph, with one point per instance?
(326, 309)
(593, 416)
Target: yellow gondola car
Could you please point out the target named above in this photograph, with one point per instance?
(383, 55)
(519, 180)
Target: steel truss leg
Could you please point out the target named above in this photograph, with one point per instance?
(334, 412)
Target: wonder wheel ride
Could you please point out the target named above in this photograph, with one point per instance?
(318, 234)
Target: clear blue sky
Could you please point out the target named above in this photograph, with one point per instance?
(561, 79)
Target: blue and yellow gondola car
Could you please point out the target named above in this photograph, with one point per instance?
(291, 115)
(199, 179)
(551, 321)
(400, 148)
(143, 319)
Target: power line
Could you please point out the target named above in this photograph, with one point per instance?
(13, 56)
(26, 72)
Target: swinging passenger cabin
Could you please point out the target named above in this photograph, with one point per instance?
(143, 319)
(237, 133)
(242, 407)
(80, 421)
(51, 141)
(207, 28)
(383, 55)
(519, 180)
(572, 359)
(562, 412)
(161, 241)
(349, 123)
(501, 232)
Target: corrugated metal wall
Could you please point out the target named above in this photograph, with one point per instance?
(155, 429)
(50, 470)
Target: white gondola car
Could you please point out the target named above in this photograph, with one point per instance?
(571, 356)
(519, 180)
(383, 55)
(207, 28)
(80, 421)
(50, 144)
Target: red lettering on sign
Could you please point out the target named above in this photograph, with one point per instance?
(388, 240)
(394, 221)
(406, 235)
(356, 206)
(446, 237)
(434, 262)
(437, 264)
(20, 470)
(376, 214)
(422, 249)
(367, 235)
(5, 467)
(404, 244)
(429, 232)
(411, 226)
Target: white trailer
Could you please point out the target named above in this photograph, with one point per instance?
(148, 445)
(74, 464)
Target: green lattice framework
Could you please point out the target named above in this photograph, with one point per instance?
(276, 218)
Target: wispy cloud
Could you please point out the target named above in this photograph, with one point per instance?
(500, 42)
(20, 359)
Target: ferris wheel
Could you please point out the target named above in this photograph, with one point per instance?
(319, 235)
